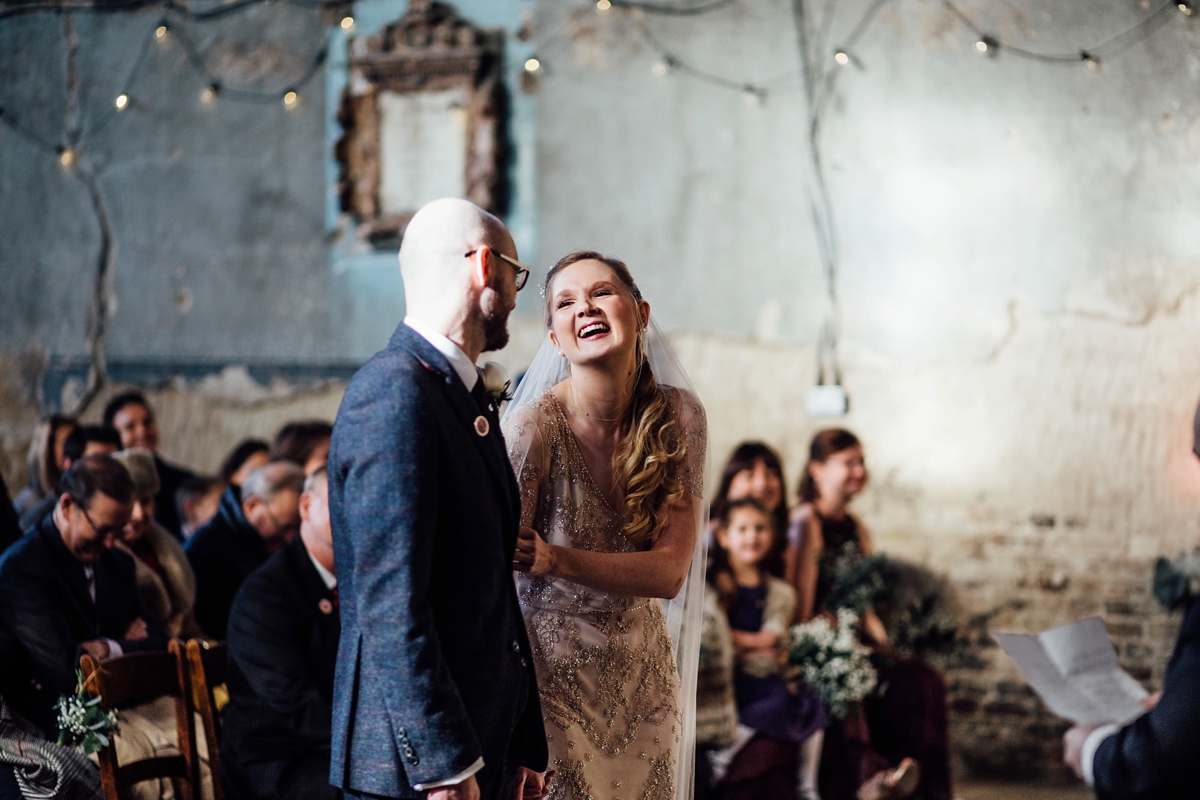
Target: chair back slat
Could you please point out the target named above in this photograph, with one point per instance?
(139, 678)
(207, 668)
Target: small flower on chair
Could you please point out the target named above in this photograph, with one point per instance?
(497, 384)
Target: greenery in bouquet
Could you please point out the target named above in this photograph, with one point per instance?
(833, 662)
(917, 611)
(82, 723)
(855, 579)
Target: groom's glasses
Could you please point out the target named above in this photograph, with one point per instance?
(522, 270)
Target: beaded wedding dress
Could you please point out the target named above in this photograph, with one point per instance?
(616, 674)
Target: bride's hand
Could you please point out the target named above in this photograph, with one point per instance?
(533, 555)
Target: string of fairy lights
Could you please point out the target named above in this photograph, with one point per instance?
(820, 65)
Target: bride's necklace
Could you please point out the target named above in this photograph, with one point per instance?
(579, 406)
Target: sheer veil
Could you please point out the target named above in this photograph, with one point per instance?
(683, 612)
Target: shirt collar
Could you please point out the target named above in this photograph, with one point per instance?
(327, 577)
(462, 365)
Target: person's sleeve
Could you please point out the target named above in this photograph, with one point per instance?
(1088, 754)
(528, 456)
(156, 637)
(530, 461)
(457, 779)
(270, 651)
(33, 615)
(1155, 755)
(693, 425)
(390, 504)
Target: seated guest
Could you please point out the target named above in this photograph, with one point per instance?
(251, 524)
(305, 444)
(83, 440)
(131, 415)
(1153, 757)
(196, 501)
(66, 590)
(283, 641)
(755, 470)
(249, 455)
(164, 575)
(909, 721)
(44, 462)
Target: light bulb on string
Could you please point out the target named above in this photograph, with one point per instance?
(602, 6)
(347, 23)
(122, 102)
(66, 156)
(1186, 8)
(291, 100)
(532, 64)
(663, 66)
(842, 57)
(160, 33)
(753, 96)
(209, 94)
(988, 45)
(1089, 61)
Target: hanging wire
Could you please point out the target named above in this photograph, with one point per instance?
(1108, 48)
(672, 10)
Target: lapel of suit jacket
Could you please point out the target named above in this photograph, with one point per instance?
(72, 571)
(460, 400)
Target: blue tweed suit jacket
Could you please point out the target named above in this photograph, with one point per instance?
(434, 669)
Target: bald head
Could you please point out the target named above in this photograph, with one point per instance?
(446, 288)
(435, 242)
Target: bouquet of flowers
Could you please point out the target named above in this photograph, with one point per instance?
(82, 724)
(833, 662)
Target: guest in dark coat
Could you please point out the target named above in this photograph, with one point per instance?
(10, 528)
(83, 440)
(1153, 757)
(66, 590)
(435, 694)
(251, 524)
(283, 640)
(133, 418)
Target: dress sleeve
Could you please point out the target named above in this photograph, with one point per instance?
(529, 456)
(694, 427)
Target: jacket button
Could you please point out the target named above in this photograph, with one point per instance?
(516, 646)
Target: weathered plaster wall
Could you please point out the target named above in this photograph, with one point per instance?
(1019, 277)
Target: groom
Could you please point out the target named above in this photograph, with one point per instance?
(434, 691)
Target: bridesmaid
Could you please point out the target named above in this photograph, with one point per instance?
(755, 470)
(910, 719)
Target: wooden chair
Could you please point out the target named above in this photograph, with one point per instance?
(206, 671)
(131, 680)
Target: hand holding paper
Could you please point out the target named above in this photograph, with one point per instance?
(1074, 669)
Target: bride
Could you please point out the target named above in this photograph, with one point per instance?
(610, 460)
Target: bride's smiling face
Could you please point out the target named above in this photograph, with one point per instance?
(593, 316)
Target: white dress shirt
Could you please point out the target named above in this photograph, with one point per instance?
(454, 354)
(469, 374)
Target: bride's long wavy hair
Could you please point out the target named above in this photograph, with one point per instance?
(654, 442)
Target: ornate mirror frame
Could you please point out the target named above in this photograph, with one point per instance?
(431, 48)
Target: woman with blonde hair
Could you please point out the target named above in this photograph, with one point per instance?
(608, 445)
(44, 462)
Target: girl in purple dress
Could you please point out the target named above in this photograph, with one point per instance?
(760, 607)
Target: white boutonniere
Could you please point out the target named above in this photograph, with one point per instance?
(497, 384)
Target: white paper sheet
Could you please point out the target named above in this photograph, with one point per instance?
(1074, 669)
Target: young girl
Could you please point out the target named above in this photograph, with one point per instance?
(760, 608)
